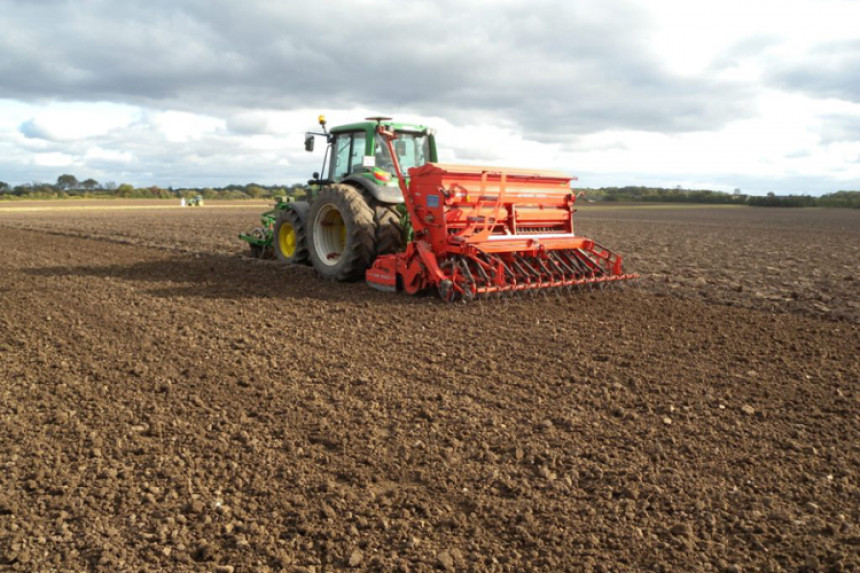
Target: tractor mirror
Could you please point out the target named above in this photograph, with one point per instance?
(309, 142)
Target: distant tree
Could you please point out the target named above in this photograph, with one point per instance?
(298, 191)
(4, 187)
(90, 184)
(841, 199)
(774, 200)
(67, 181)
(22, 189)
(110, 186)
(125, 190)
(159, 193)
(255, 191)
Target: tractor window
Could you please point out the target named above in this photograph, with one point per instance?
(383, 158)
(412, 149)
(348, 152)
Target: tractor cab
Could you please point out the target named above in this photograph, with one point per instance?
(357, 155)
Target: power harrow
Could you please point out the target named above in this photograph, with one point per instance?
(390, 213)
(484, 231)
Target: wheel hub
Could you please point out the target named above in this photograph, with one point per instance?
(329, 235)
(287, 239)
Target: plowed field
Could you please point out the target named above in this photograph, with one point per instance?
(167, 404)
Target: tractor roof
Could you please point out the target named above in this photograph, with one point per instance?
(371, 125)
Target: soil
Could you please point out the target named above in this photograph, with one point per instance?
(778, 260)
(169, 404)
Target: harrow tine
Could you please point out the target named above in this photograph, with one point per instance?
(557, 259)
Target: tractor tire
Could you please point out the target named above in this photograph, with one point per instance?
(389, 231)
(342, 233)
(289, 238)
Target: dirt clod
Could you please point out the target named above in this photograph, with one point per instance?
(355, 558)
(445, 560)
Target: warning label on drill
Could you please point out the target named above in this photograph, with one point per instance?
(432, 200)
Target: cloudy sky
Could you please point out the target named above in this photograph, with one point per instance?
(761, 95)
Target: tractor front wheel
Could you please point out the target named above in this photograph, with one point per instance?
(289, 238)
(342, 233)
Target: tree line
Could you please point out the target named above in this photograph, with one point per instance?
(678, 195)
(68, 186)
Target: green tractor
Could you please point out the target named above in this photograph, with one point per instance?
(196, 201)
(354, 212)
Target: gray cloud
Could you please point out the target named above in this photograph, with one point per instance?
(830, 70)
(248, 124)
(550, 68)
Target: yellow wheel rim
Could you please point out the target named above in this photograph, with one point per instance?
(287, 239)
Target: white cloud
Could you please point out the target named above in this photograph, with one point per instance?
(53, 159)
(100, 156)
(69, 122)
(178, 126)
(690, 36)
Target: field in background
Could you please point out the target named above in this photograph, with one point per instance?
(114, 204)
(785, 260)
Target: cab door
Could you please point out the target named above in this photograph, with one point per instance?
(347, 154)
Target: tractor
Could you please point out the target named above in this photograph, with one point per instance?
(196, 201)
(358, 194)
(387, 211)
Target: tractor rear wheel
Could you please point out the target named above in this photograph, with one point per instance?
(389, 231)
(289, 238)
(341, 233)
